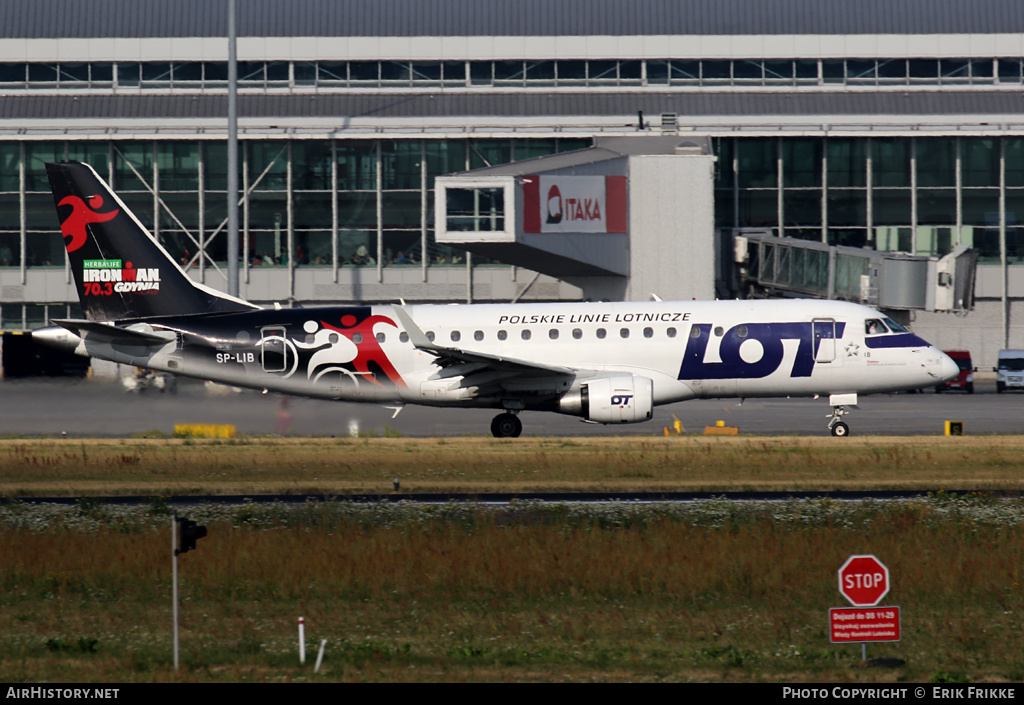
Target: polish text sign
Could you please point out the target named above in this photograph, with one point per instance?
(857, 624)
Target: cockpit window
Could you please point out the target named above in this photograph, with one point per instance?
(873, 326)
(894, 326)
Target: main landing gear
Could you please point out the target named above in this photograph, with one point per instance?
(506, 425)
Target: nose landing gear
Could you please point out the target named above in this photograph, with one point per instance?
(506, 425)
(836, 425)
(838, 428)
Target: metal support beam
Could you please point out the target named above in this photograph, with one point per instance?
(232, 151)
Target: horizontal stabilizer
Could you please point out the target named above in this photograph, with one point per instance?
(113, 334)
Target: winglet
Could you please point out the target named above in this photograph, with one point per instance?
(417, 337)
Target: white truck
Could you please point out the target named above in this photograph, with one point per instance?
(1010, 371)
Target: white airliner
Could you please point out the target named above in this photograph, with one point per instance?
(608, 363)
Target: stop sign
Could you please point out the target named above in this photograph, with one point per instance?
(863, 580)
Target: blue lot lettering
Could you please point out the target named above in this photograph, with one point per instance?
(621, 399)
(769, 335)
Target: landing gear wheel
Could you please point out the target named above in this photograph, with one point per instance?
(835, 425)
(506, 426)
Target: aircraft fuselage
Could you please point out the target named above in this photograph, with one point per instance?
(688, 349)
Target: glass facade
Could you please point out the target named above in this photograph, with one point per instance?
(920, 195)
(323, 203)
(370, 202)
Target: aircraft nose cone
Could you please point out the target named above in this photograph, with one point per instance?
(947, 368)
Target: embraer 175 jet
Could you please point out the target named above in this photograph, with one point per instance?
(608, 363)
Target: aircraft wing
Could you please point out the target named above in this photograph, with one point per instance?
(450, 357)
(109, 333)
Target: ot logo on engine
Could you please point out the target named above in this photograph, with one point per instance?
(621, 399)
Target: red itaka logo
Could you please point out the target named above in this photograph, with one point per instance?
(554, 204)
(81, 215)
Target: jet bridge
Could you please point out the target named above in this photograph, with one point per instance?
(773, 266)
(628, 217)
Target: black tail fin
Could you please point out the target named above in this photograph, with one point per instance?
(121, 270)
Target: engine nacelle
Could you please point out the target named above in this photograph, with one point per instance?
(627, 399)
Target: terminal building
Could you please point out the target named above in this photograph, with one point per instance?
(537, 150)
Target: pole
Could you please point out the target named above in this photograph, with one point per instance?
(302, 640)
(320, 656)
(232, 152)
(174, 582)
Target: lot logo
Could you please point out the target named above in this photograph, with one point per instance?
(81, 215)
(621, 400)
(103, 277)
(766, 342)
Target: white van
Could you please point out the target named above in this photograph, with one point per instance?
(1010, 371)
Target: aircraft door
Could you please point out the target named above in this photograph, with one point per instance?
(274, 353)
(176, 360)
(824, 340)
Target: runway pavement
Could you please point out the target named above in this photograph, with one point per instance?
(92, 408)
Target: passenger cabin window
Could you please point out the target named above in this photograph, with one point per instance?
(403, 337)
(456, 336)
(624, 333)
(671, 332)
(648, 332)
(601, 333)
(502, 334)
(381, 338)
(553, 334)
(526, 334)
(479, 335)
(577, 333)
(873, 326)
(430, 336)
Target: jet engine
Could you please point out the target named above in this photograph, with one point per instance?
(625, 399)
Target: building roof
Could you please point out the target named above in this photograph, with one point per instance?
(458, 18)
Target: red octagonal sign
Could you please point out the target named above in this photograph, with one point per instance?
(863, 580)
